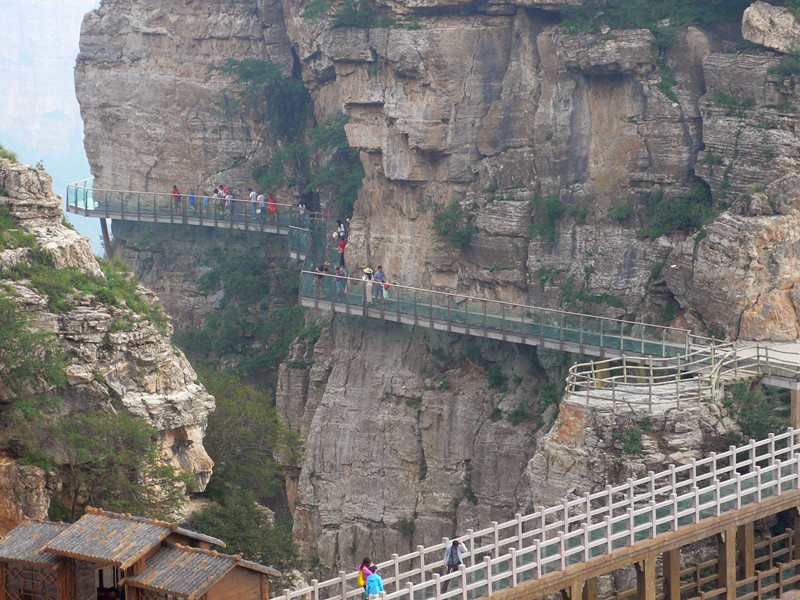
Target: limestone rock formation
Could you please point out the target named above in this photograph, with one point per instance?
(25, 491)
(555, 146)
(772, 26)
(118, 360)
(153, 112)
(405, 446)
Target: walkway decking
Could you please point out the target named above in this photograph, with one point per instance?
(542, 552)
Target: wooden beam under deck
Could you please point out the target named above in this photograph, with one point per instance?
(606, 563)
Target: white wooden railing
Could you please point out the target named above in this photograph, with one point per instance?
(551, 539)
(658, 384)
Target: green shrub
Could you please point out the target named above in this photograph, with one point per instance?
(246, 531)
(629, 439)
(497, 379)
(263, 90)
(757, 413)
(360, 13)
(622, 212)
(733, 105)
(315, 8)
(664, 215)
(453, 225)
(114, 463)
(548, 210)
(591, 15)
(8, 154)
(788, 66)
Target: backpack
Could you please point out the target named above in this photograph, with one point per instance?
(452, 559)
(361, 581)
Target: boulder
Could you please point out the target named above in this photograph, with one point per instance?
(772, 26)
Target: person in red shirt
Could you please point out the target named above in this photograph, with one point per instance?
(176, 198)
(342, 244)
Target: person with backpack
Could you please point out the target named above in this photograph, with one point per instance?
(364, 572)
(374, 585)
(452, 559)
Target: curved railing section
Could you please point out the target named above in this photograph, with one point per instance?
(551, 328)
(663, 384)
(157, 207)
(656, 384)
(575, 530)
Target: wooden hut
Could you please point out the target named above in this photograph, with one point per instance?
(106, 554)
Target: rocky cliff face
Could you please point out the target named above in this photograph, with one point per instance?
(116, 359)
(153, 113)
(492, 107)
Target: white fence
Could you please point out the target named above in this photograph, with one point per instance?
(550, 539)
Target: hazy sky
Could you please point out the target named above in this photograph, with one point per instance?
(39, 114)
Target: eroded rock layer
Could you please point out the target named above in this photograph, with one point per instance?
(116, 358)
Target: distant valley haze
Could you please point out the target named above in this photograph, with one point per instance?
(39, 115)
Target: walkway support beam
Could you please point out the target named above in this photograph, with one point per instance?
(646, 578)
(745, 546)
(726, 562)
(672, 574)
(795, 405)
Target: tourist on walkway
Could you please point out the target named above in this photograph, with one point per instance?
(380, 277)
(340, 229)
(319, 283)
(374, 584)
(253, 197)
(229, 203)
(301, 208)
(273, 210)
(452, 559)
(340, 283)
(342, 244)
(176, 198)
(367, 278)
(260, 210)
(363, 570)
(192, 199)
(205, 204)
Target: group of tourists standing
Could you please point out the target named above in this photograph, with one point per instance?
(372, 582)
(221, 202)
(376, 286)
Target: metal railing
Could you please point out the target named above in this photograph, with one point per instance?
(157, 207)
(662, 384)
(576, 530)
(492, 318)
(657, 384)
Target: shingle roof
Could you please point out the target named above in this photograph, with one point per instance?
(22, 543)
(189, 572)
(116, 539)
(119, 540)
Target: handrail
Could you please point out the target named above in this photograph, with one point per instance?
(658, 333)
(553, 538)
(658, 383)
(84, 189)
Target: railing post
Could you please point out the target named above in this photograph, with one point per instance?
(396, 564)
(155, 209)
(503, 326)
(415, 308)
(580, 333)
(487, 562)
(430, 307)
(448, 313)
(463, 572)
(138, 207)
(650, 385)
(561, 331)
(170, 210)
(421, 552)
(513, 552)
(342, 574)
(601, 336)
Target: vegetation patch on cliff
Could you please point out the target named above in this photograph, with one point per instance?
(258, 317)
(663, 17)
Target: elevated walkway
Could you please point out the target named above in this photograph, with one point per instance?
(563, 547)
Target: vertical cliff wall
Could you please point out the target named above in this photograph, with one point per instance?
(574, 156)
(153, 113)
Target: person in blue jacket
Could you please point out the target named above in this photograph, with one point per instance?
(374, 584)
(453, 559)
